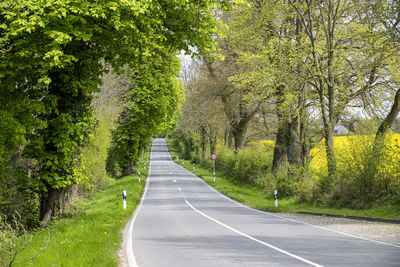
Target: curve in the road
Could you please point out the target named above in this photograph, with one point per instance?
(197, 226)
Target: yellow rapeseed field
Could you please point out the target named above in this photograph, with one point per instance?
(270, 143)
(346, 149)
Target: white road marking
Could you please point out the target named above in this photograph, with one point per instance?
(174, 181)
(248, 236)
(293, 220)
(129, 246)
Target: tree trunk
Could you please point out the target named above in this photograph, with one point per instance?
(188, 148)
(56, 201)
(239, 134)
(213, 141)
(280, 152)
(387, 124)
(330, 154)
(226, 136)
(203, 142)
(230, 139)
(294, 147)
(50, 203)
(379, 141)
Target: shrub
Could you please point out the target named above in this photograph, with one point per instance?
(249, 164)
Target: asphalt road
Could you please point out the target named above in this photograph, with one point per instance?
(184, 222)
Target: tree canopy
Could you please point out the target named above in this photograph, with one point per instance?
(52, 54)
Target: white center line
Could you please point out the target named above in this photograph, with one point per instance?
(248, 236)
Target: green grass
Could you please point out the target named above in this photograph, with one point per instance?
(94, 236)
(255, 197)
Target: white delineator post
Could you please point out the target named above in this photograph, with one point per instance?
(194, 164)
(139, 176)
(124, 201)
(214, 157)
(276, 198)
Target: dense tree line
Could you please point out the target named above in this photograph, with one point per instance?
(298, 69)
(52, 57)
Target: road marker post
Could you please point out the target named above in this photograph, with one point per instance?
(194, 165)
(124, 201)
(139, 176)
(214, 157)
(276, 198)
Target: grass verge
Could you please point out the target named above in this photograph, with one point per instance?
(254, 196)
(94, 236)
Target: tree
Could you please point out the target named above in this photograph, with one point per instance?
(202, 113)
(239, 106)
(267, 36)
(388, 14)
(153, 99)
(341, 58)
(51, 57)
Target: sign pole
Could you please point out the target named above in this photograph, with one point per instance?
(214, 157)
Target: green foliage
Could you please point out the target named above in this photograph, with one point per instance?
(52, 54)
(153, 100)
(18, 194)
(92, 237)
(94, 156)
(183, 149)
(255, 195)
(249, 164)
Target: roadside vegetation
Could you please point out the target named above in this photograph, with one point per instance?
(305, 100)
(259, 195)
(90, 234)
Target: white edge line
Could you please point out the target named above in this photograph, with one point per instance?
(293, 220)
(250, 237)
(129, 246)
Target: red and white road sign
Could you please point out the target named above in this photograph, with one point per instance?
(213, 156)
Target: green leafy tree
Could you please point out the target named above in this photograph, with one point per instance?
(153, 100)
(51, 56)
(267, 37)
(342, 56)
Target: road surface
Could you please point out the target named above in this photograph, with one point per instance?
(184, 222)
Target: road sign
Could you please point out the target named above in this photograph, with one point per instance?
(213, 156)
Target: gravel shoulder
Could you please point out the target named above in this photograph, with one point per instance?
(385, 232)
